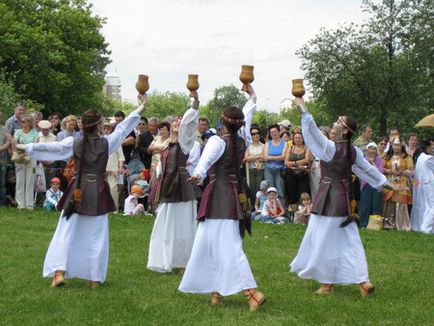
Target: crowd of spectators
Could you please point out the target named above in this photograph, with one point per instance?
(281, 172)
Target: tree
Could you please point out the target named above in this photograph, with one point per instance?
(161, 105)
(223, 97)
(53, 52)
(369, 71)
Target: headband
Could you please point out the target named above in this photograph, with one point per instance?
(91, 124)
(342, 121)
(233, 121)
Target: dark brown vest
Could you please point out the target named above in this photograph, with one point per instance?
(332, 198)
(95, 191)
(174, 186)
(220, 197)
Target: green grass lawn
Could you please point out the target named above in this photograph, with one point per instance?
(401, 265)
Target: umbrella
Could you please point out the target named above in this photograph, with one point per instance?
(428, 121)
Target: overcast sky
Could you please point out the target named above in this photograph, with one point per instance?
(168, 39)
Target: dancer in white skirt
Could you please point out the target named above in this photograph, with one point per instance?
(80, 245)
(175, 226)
(331, 251)
(218, 264)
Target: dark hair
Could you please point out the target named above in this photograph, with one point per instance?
(411, 134)
(383, 138)
(352, 124)
(272, 127)
(285, 133)
(255, 127)
(164, 124)
(55, 113)
(120, 114)
(204, 119)
(364, 127)
(144, 119)
(421, 148)
(390, 152)
(393, 128)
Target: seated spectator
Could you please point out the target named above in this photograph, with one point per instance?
(53, 195)
(261, 197)
(132, 206)
(273, 211)
(302, 214)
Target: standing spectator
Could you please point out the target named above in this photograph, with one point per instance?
(115, 166)
(370, 198)
(422, 214)
(55, 118)
(68, 125)
(25, 166)
(37, 116)
(364, 139)
(393, 134)
(253, 158)
(284, 125)
(145, 139)
(297, 162)
(203, 126)
(4, 145)
(46, 170)
(411, 144)
(273, 155)
(382, 143)
(14, 122)
(315, 169)
(398, 168)
(157, 146)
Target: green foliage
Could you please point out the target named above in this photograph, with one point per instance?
(400, 265)
(322, 117)
(380, 72)
(53, 52)
(161, 105)
(109, 106)
(8, 96)
(263, 118)
(223, 97)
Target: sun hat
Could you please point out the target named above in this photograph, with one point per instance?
(136, 189)
(286, 123)
(272, 189)
(44, 124)
(396, 141)
(371, 144)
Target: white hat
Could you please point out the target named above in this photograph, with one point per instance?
(272, 189)
(396, 141)
(44, 124)
(285, 123)
(371, 144)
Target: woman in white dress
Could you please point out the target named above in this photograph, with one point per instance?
(218, 264)
(175, 226)
(422, 213)
(331, 251)
(80, 245)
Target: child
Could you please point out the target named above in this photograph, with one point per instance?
(301, 216)
(132, 206)
(261, 197)
(273, 211)
(53, 195)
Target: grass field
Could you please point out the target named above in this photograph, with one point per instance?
(401, 265)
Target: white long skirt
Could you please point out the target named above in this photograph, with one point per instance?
(80, 247)
(217, 262)
(172, 236)
(331, 254)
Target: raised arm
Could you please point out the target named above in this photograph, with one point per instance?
(188, 125)
(322, 147)
(248, 110)
(124, 128)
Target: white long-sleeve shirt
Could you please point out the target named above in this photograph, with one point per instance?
(215, 145)
(63, 150)
(325, 149)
